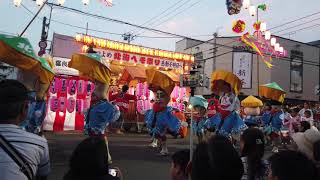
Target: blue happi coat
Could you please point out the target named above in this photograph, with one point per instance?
(232, 124)
(266, 116)
(199, 126)
(36, 114)
(165, 120)
(276, 123)
(252, 120)
(99, 116)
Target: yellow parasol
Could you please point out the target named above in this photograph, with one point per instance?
(92, 65)
(251, 101)
(272, 91)
(159, 79)
(220, 76)
(18, 52)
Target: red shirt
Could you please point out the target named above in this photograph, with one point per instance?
(213, 107)
(122, 100)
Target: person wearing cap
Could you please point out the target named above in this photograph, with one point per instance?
(32, 148)
(305, 141)
(199, 105)
(160, 118)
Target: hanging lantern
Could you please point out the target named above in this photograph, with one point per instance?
(63, 85)
(273, 41)
(263, 27)
(252, 10)
(17, 3)
(62, 104)
(72, 87)
(257, 25)
(79, 105)
(71, 103)
(61, 2)
(267, 35)
(81, 87)
(39, 2)
(246, 4)
(281, 49)
(277, 47)
(238, 26)
(54, 104)
(85, 2)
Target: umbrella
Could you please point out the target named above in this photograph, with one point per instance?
(219, 77)
(251, 101)
(92, 65)
(18, 52)
(272, 91)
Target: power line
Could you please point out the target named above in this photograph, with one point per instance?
(154, 17)
(182, 11)
(308, 27)
(167, 14)
(297, 25)
(281, 25)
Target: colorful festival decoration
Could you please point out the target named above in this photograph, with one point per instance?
(238, 26)
(71, 103)
(234, 6)
(256, 25)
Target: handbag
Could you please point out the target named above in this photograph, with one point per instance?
(14, 154)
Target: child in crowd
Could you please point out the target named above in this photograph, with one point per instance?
(180, 160)
(308, 117)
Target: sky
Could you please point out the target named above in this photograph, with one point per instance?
(198, 19)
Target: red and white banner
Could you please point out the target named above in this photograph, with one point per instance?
(68, 99)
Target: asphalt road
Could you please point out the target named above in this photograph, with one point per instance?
(130, 152)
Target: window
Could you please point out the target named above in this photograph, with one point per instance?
(296, 71)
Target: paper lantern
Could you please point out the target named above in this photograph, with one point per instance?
(246, 4)
(63, 87)
(54, 103)
(86, 103)
(53, 86)
(79, 106)
(281, 49)
(273, 41)
(81, 87)
(90, 88)
(267, 35)
(257, 25)
(263, 27)
(238, 26)
(139, 89)
(62, 104)
(277, 47)
(72, 87)
(146, 91)
(252, 10)
(140, 106)
(71, 103)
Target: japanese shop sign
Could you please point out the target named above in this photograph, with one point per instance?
(139, 59)
(242, 67)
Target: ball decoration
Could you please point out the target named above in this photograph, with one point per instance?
(238, 26)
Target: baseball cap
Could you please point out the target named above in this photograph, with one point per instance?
(12, 91)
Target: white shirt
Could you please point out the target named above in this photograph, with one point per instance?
(32, 147)
(301, 112)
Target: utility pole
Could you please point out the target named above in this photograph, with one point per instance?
(258, 64)
(215, 35)
(128, 37)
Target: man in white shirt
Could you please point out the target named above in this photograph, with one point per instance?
(33, 148)
(306, 106)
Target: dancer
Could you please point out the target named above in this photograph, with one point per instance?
(227, 121)
(274, 125)
(199, 105)
(101, 112)
(251, 107)
(160, 119)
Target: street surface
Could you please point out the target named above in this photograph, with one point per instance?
(130, 152)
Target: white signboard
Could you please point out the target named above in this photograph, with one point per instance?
(61, 67)
(242, 67)
(139, 59)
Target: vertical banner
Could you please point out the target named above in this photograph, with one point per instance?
(242, 67)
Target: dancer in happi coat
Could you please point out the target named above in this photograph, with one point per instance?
(199, 116)
(160, 118)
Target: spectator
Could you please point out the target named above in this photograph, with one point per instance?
(305, 141)
(291, 165)
(122, 100)
(31, 148)
(306, 106)
(252, 151)
(89, 161)
(308, 117)
(304, 125)
(179, 164)
(216, 159)
(293, 123)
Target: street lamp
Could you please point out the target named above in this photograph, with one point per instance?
(85, 2)
(61, 2)
(17, 3)
(246, 4)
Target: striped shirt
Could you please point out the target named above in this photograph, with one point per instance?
(32, 147)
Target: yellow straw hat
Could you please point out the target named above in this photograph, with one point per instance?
(158, 79)
(251, 101)
(227, 77)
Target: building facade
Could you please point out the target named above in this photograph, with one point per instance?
(297, 72)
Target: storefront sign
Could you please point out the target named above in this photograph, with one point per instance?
(139, 59)
(61, 67)
(242, 67)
